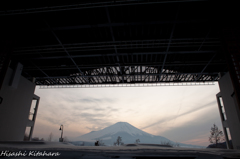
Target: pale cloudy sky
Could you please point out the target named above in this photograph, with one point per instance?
(180, 113)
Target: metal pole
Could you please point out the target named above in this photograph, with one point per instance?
(62, 131)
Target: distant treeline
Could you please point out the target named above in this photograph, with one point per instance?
(220, 145)
(82, 143)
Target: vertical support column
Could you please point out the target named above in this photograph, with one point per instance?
(231, 44)
(224, 123)
(16, 76)
(231, 107)
(34, 116)
(4, 63)
(230, 83)
(30, 134)
(15, 106)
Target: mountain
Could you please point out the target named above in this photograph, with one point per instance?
(128, 133)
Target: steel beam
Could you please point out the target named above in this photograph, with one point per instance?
(66, 52)
(115, 75)
(169, 43)
(113, 39)
(86, 6)
(204, 40)
(124, 24)
(128, 85)
(40, 69)
(120, 54)
(198, 77)
(107, 44)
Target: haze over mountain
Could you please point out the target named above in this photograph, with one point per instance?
(128, 133)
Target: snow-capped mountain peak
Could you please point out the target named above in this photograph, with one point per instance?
(124, 127)
(128, 133)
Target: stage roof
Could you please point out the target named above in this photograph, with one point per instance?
(115, 42)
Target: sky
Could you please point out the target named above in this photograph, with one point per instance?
(180, 113)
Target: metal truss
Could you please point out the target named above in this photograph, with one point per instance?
(93, 66)
(86, 5)
(116, 51)
(65, 50)
(126, 85)
(130, 74)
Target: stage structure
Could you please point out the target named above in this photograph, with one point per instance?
(121, 43)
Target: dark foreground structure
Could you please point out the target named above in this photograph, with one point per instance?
(61, 150)
(115, 44)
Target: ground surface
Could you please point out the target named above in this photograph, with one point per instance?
(64, 150)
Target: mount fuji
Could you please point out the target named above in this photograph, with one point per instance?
(128, 133)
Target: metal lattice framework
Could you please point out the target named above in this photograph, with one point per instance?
(116, 42)
(134, 74)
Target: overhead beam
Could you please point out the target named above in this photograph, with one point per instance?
(198, 77)
(43, 72)
(115, 75)
(132, 64)
(169, 43)
(103, 48)
(150, 78)
(124, 24)
(107, 85)
(86, 6)
(120, 54)
(119, 43)
(81, 73)
(40, 69)
(113, 39)
(204, 40)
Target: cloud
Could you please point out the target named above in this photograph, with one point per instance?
(90, 115)
(93, 100)
(101, 124)
(99, 109)
(65, 120)
(194, 131)
(199, 140)
(82, 98)
(112, 109)
(52, 120)
(96, 108)
(75, 113)
(183, 114)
